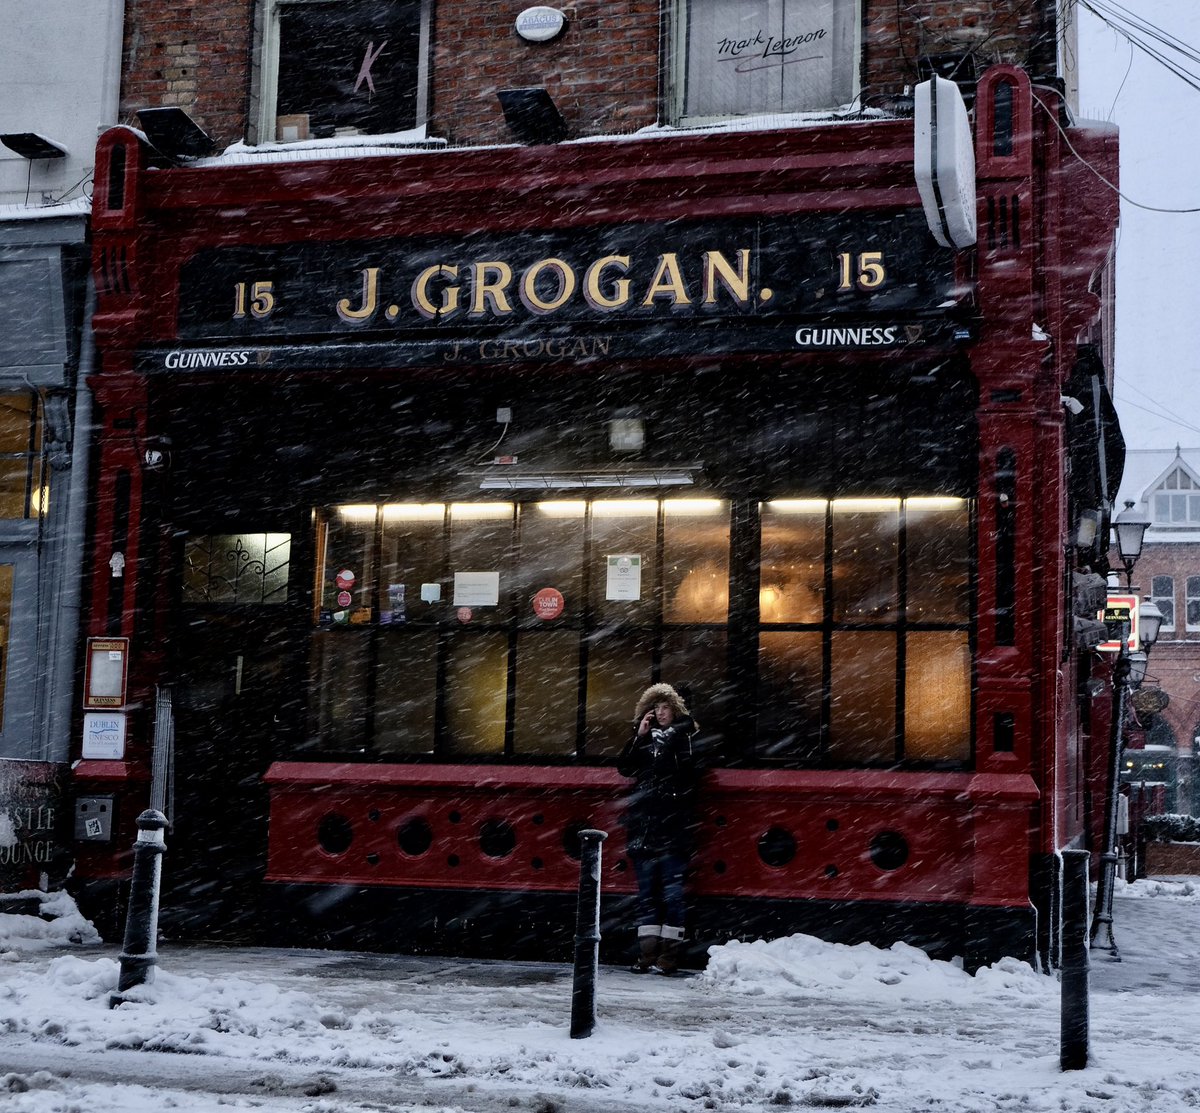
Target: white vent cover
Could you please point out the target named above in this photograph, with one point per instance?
(944, 162)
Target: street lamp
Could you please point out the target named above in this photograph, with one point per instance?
(1129, 670)
(1130, 527)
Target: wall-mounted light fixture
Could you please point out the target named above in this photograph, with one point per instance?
(626, 434)
(532, 116)
(33, 146)
(172, 132)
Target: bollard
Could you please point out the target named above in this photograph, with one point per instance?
(1073, 1054)
(139, 954)
(587, 936)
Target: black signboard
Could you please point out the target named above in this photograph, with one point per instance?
(810, 281)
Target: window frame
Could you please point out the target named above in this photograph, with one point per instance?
(676, 66)
(738, 638)
(1189, 598)
(1158, 598)
(651, 625)
(265, 78)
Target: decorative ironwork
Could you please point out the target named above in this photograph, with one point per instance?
(239, 568)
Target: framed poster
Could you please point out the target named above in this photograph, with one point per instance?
(105, 673)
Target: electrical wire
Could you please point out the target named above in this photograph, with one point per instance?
(1142, 34)
(1116, 189)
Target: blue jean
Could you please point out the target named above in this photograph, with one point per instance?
(660, 889)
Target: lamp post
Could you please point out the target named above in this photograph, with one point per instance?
(1130, 527)
(1129, 670)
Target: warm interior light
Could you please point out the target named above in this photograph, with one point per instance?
(865, 506)
(414, 511)
(796, 506)
(562, 509)
(693, 506)
(480, 511)
(624, 508)
(934, 503)
(357, 512)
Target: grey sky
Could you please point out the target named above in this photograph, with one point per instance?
(1158, 295)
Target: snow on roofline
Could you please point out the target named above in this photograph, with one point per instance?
(81, 206)
(417, 142)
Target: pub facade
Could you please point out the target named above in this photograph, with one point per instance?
(425, 452)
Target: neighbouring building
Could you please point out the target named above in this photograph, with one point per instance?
(464, 368)
(1165, 486)
(58, 89)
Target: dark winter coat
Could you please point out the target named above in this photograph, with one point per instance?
(660, 810)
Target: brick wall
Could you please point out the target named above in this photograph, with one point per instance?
(603, 72)
(193, 54)
(1175, 659)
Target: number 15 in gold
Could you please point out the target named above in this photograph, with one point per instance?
(865, 270)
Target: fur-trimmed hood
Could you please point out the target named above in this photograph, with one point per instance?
(661, 693)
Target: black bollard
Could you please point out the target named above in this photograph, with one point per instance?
(1073, 1053)
(140, 955)
(587, 936)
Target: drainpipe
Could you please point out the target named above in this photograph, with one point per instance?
(67, 619)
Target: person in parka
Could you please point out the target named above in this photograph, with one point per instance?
(659, 821)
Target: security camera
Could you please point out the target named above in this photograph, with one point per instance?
(1072, 404)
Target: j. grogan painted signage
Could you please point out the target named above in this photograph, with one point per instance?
(777, 283)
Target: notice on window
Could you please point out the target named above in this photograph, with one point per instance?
(624, 579)
(476, 589)
(104, 736)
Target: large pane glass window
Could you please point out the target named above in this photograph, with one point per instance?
(343, 67)
(21, 493)
(478, 629)
(792, 561)
(864, 651)
(763, 56)
(504, 630)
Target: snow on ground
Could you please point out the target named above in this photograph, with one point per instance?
(793, 1022)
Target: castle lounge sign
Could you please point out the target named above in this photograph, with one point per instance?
(807, 282)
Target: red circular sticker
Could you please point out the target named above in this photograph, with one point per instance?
(344, 599)
(344, 579)
(548, 603)
(464, 614)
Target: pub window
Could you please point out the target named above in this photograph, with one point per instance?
(1162, 593)
(864, 635)
(22, 494)
(494, 629)
(1193, 603)
(330, 68)
(760, 57)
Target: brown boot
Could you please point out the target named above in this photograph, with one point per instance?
(648, 947)
(668, 954)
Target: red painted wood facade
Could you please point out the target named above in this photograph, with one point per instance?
(981, 840)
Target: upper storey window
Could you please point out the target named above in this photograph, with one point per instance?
(1176, 501)
(760, 57)
(333, 68)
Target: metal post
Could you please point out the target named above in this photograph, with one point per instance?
(1102, 920)
(587, 936)
(1073, 1045)
(139, 955)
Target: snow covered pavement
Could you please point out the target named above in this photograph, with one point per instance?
(791, 1023)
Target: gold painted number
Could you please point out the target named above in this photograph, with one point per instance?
(262, 299)
(866, 271)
